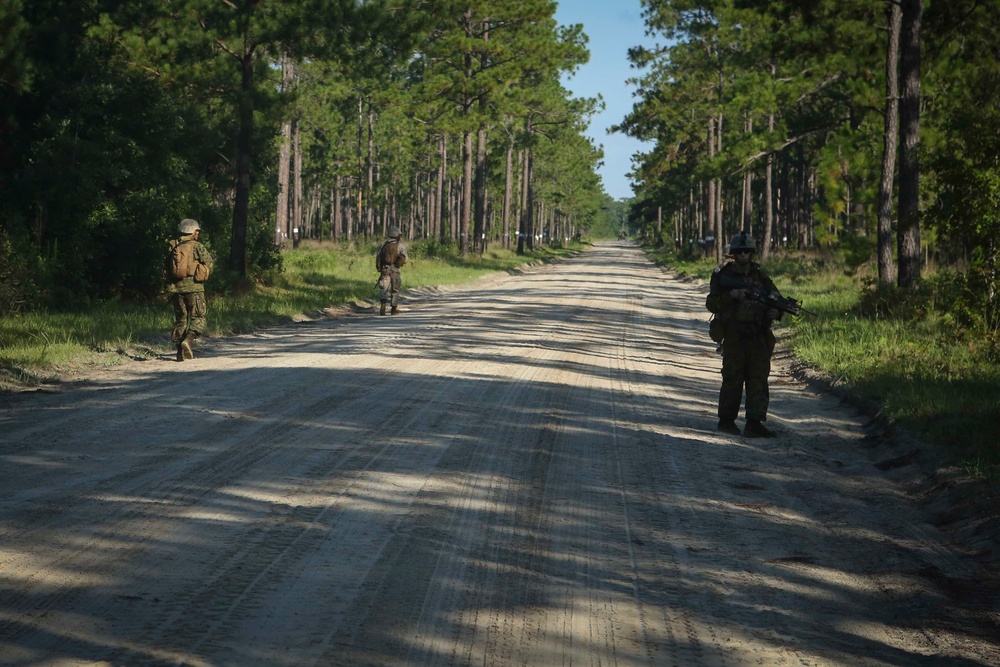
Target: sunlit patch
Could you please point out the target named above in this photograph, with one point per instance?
(905, 640)
(133, 500)
(50, 460)
(24, 568)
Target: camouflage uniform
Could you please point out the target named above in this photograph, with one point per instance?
(747, 346)
(187, 298)
(391, 256)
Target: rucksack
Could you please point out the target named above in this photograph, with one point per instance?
(182, 263)
(387, 254)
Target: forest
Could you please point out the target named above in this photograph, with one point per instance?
(276, 121)
(868, 128)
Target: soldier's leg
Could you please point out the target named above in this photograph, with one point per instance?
(385, 291)
(180, 318)
(758, 369)
(734, 355)
(397, 283)
(198, 309)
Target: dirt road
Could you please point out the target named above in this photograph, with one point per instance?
(525, 472)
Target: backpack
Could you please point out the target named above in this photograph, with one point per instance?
(182, 263)
(400, 259)
(387, 255)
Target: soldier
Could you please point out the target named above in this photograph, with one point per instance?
(188, 266)
(747, 340)
(390, 259)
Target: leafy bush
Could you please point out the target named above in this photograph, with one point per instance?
(17, 286)
(432, 248)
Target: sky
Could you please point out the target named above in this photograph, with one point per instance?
(612, 26)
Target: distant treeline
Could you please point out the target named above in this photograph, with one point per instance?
(275, 121)
(868, 125)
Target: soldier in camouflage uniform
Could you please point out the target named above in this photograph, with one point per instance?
(390, 258)
(747, 342)
(187, 295)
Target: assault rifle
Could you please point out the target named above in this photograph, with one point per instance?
(769, 299)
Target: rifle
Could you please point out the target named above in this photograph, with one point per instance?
(769, 299)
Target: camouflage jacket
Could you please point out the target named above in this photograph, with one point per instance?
(744, 316)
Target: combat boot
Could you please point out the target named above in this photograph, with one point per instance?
(394, 310)
(729, 426)
(180, 354)
(381, 308)
(755, 429)
(184, 349)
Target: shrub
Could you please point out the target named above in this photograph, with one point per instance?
(17, 284)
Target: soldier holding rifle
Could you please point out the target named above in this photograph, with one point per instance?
(745, 304)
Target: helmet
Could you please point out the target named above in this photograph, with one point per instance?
(394, 232)
(742, 241)
(189, 226)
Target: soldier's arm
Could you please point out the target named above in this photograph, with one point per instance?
(204, 256)
(718, 299)
(767, 283)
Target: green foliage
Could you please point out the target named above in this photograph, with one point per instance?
(432, 248)
(815, 73)
(17, 286)
(962, 301)
(119, 119)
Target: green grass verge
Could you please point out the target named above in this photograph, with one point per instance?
(37, 347)
(922, 371)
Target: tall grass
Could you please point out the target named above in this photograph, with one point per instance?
(39, 346)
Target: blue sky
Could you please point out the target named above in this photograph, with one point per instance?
(612, 26)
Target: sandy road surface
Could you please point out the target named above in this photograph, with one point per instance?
(525, 472)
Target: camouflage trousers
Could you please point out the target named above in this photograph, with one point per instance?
(190, 309)
(746, 362)
(389, 285)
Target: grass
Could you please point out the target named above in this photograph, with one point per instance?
(920, 370)
(38, 346)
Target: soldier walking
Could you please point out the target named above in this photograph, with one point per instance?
(390, 259)
(188, 265)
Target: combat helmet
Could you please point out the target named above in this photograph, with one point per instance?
(188, 226)
(742, 241)
(394, 232)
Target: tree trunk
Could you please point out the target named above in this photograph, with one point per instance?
(480, 193)
(284, 159)
(524, 225)
(335, 209)
(443, 194)
(370, 174)
(720, 231)
(360, 157)
(507, 193)
(890, 136)
(244, 165)
(297, 222)
(467, 178)
(765, 243)
(908, 239)
(746, 215)
(710, 204)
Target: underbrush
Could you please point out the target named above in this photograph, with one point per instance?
(929, 358)
(38, 346)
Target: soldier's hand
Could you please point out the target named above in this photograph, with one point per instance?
(738, 294)
(772, 314)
